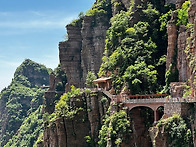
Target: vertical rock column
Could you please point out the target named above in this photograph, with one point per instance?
(172, 40)
(182, 57)
(93, 43)
(70, 56)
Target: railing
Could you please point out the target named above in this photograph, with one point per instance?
(147, 96)
(185, 99)
(139, 98)
(153, 100)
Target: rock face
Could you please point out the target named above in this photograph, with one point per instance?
(140, 136)
(70, 55)
(83, 51)
(182, 43)
(181, 40)
(172, 40)
(177, 89)
(93, 43)
(66, 132)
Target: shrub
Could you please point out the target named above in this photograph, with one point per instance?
(89, 79)
(183, 13)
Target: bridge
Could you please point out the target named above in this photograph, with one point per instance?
(153, 101)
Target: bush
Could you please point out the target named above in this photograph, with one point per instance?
(115, 128)
(183, 13)
(179, 135)
(62, 108)
(89, 80)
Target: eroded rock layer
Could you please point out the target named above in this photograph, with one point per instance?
(83, 51)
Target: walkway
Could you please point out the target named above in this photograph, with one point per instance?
(153, 101)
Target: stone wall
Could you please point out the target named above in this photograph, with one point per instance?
(170, 1)
(181, 108)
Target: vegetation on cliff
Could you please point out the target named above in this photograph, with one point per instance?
(21, 98)
(29, 131)
(99, 8)
(143, 44)
(62, 108)
(172, 74)
(178, 133)
(116, 129)
(183, 13)
(135, 56)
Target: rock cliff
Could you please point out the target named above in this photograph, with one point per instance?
(83, 128)
(71, 131)
(83, 51)
(180, 55)
(181, 46)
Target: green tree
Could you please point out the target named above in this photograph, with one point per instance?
(89, 79)
(183, 13)
(141, 78)
(179, 135)
(116, 128)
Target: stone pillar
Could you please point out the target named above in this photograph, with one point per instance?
(156, 115)
(52, 81)
(70, 55)
(172, 39)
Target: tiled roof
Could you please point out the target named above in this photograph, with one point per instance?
(102, 79)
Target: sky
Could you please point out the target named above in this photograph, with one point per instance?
(32, 29)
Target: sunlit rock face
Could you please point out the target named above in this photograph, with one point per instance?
(83, 51)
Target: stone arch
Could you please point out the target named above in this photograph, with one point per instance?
(152, 107)
(140, 124)
(137, 106)
(144, 109)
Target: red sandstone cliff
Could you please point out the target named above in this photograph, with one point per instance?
(82, 52)
(182, 40)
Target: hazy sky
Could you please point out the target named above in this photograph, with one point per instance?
(32, 29)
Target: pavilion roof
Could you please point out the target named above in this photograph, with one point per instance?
(102, 79)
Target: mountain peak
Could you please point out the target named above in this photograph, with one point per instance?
(36, 74)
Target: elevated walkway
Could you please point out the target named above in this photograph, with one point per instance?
(108, 94)
(153, 101)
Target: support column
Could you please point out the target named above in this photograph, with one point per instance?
(156, 115)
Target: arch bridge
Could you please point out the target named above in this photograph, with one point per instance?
(153, 101)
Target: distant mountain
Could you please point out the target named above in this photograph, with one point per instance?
(20, 100)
